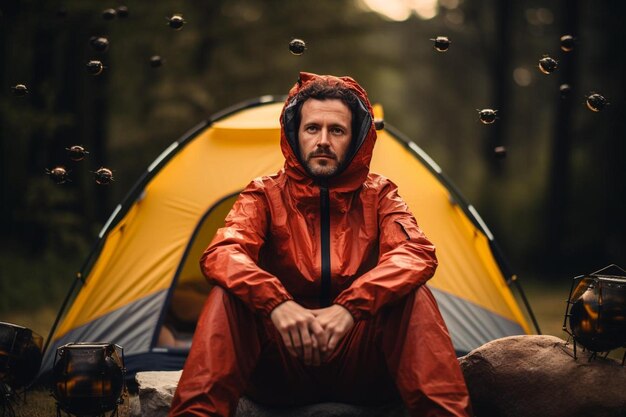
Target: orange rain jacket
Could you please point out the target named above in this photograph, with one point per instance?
(349, 239)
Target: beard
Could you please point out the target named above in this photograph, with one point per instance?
(322, 168)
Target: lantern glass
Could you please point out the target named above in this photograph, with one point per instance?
(596, 311)
(88, 378)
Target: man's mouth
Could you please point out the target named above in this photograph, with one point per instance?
(323, 156)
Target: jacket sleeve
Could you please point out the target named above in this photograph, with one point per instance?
(406, 259)
(231, 260)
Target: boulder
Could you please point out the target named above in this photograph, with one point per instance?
(156, 390)
(530, 376)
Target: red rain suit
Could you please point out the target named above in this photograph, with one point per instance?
(349, 240)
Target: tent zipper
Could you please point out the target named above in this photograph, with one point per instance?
(325, 245)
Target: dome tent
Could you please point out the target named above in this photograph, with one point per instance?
(141, 286)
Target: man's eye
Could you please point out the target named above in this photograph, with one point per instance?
(311, 129)
(336, 131)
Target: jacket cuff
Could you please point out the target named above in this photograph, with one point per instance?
(270, 306)
(356, 314)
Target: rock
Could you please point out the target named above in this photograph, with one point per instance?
(524, 376)
(156, 390)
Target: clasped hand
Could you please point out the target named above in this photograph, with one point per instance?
(311, 335)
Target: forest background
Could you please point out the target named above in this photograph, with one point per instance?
(556, 204)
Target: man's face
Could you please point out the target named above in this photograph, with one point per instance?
(324, 135)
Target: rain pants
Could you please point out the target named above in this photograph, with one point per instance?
(348, 239)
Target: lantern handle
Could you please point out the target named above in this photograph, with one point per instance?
(609, 267)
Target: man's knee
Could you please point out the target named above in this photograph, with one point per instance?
(420, 298)
(221, 305)
(221, 298)
(423, 296)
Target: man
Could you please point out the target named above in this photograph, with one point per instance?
(319, 274)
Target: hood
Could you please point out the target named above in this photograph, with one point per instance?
(357, 165)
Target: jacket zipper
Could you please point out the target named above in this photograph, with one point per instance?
(325, 245)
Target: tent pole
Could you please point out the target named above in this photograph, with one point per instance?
(79, 278)
(526, 304)
(508, 271)
(61, 310)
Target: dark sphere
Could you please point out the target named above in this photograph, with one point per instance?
(94, 67)
(487, 116)
(596, 102)
(499, 152)
(547, 65)
(58, 174)
(597, 316)
(176, 22)
(103, 176)
(99, 43)
(565, 90)
(122, 11)
(379, 124)
(442, 43)
(567, 43)
(77, 153)
(20, 90)
(156, 61)
(297, 46)
(109, 14)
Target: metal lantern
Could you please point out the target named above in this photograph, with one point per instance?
(20, 355)
(88, 378)
(20, 359)
(596, 311)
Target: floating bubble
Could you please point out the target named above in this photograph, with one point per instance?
(58, 174)
(487, 116)
(176, 21)
(109, 14)
(156, 61)
(522, 77)
(565, 90)
(499, 152)
(94, 67)
(547, 65)
(567, 43)
(99, 43)
(122, 12)
(596, 102)
(103, 176)
(20, 90)
(77, 153)
(297, 46)
(442, 43)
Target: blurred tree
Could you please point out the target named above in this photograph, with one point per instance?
(63, 108)
(555, 203)
(558, 187)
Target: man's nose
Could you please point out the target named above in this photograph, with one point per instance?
(324, 138)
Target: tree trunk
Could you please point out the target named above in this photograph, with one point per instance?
(558, 187)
